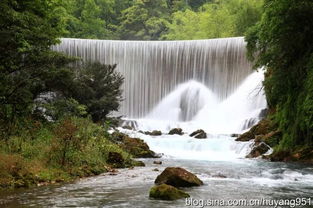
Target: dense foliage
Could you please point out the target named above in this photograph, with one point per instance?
(46, 99)
(282, 41)
(227, 18)
(27, 66)
(158, 19)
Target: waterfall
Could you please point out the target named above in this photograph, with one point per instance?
(207, 84)
(153, 69)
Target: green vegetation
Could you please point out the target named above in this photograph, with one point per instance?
(49, 102)
(157, 19)
(56, 152)
(282, 41)
(218, 19)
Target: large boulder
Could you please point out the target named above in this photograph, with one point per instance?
(199, 134)
(258, 150)
(178, 131)
(135, 146)
(178, 177)
(167, 192)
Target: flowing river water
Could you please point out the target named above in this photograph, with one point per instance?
(245, 179)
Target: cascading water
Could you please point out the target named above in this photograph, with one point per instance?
(207, 84)
(153, 69)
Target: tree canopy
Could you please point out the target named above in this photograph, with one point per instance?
(158, 19)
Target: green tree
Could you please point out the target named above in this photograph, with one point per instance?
(98, 88)
(217, 19)
(282, 42)
(85, 19)
(145, 20)
(27, 65)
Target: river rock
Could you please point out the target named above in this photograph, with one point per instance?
(199, 134)
(178, 131)
(153, 133)
(178, 177)
(157, 162)
(258, 150)
(167, 192)
(115, 159)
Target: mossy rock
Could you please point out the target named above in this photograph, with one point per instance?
(137, 147)
(139, 163)
(167, 192)
(178, 177)
(247, 136)
(264, 127)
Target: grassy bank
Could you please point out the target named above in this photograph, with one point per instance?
(43, 153)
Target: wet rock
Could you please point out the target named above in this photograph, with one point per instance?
(178, 131)
(167, 192)
(115, 159)
(153, 133)
(178, 177)
(258, 150)
(247, 136)
(219, 175)
(199, 134)
(157, 162)
(155, 169)
(235, 135)
(262, 128)
(263, 113)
